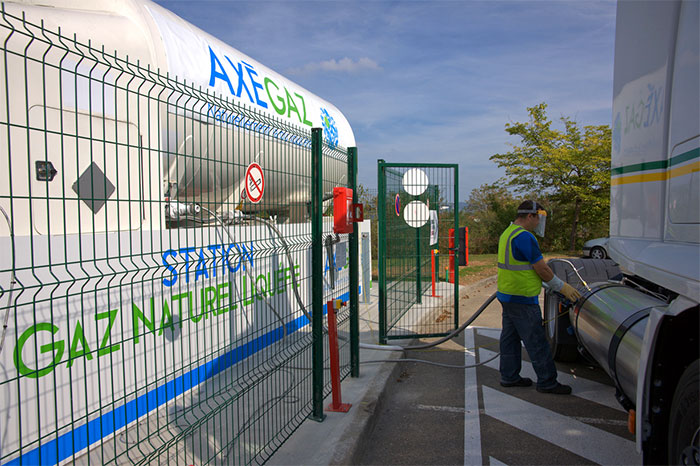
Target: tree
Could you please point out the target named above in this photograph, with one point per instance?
(570, 167)
(368, 198)
(489, 210)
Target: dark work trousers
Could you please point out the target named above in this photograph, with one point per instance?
(524, 322)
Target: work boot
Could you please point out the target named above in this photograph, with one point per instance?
(558, 389)
(523, 382)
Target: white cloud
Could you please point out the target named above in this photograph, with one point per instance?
(344, 65)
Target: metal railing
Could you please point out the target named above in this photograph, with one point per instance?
(156, 269)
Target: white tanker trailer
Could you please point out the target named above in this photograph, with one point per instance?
(195, 137)
(639, 315)
(118, 295)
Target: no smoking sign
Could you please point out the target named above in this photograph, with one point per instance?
(254, 183)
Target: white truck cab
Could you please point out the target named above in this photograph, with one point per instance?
(640, 317)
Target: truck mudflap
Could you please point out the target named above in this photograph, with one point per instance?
(668, 419)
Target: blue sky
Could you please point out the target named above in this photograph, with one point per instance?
(430, 81)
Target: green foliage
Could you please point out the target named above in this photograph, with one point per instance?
(569, 168)
(368, 198)
(490, 209)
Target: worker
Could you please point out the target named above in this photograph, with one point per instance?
(521, 273)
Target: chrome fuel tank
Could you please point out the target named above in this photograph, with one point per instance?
(610, 322)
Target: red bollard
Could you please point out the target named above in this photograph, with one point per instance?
(337, 406)
(466, 245)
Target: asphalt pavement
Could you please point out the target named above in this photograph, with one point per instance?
(415, 413)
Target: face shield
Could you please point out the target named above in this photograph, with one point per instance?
(539, 229)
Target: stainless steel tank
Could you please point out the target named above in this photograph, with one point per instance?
(610, 322)
(206, 163)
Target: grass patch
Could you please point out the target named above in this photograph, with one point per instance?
(486, 265)
(480, 266)
(473, 270)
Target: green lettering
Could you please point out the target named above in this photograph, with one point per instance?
(279, 110)
(258, 294)
(246, 300)
(208, 301)
(222, 293)
(296, 274)
(192, 309)
(138, 315)
(291, 106)
(166, 319)
(58, 346)
(78, 337)
(104, 349)
(303, 105)
(178, 298)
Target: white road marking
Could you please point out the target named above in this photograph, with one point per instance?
(444, 409)
(587, 420)
(472, 426)
(582, 388)
(495, 462)
(579, 438)
(595, 420)
(494, 333)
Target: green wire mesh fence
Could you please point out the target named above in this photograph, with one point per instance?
(156, 275)
(416, 208)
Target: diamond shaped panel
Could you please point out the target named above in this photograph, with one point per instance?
(93, 188)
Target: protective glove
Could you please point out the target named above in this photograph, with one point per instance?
(570, 292)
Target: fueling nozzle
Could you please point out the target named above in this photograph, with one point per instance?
(583, 282)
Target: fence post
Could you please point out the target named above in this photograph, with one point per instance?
(419, 291)
(354, 273)
(456, 284)
(381, 248)
(452, 256)
(317, 273)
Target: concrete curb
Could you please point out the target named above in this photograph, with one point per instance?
(359, 429)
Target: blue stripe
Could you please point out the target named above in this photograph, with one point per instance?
(87, 434)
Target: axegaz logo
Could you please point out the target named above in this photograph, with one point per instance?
(243, 81)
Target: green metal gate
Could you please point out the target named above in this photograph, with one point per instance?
(417, 207)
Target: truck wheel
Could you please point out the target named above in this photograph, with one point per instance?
(684, 424)
(598, 253)
(562, 345)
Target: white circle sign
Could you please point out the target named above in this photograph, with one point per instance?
(415, 181)
(254, 183)
(416, 214)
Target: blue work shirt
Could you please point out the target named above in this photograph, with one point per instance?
(525, 248)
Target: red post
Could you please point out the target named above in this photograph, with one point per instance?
(337, 406)
(466, 245)
(451, 261)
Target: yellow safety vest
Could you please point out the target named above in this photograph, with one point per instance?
(515, 277)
